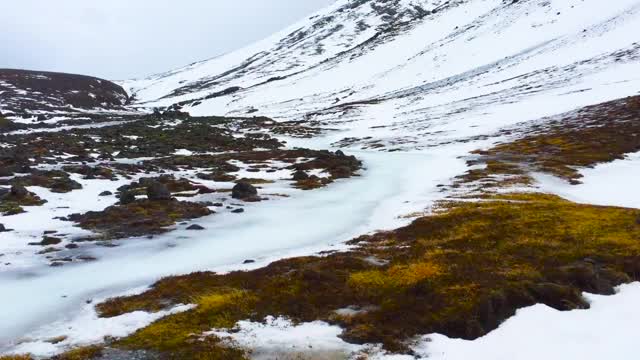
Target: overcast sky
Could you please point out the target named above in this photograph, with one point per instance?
(118, 39)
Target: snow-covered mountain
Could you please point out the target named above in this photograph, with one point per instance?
(455, 68)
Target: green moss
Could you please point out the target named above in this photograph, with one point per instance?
(594, 134)
(459, 272)
(11, 205)
(141, 217)
(5, 123)
(83, 353)
(8, 208)
(181, 334)
(16, 357)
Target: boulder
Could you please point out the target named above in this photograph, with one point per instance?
(300, 175)
(341, 172)
(50, 240)
(127, 198)
(19, 192)
(195, 227)
(244, 191)
(157, 191)
(106, 193)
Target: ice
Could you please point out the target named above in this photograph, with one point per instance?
(393, 184)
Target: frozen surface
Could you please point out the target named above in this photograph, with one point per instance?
(614, 183)
(393, 185)
(87, 328)
(278, 337)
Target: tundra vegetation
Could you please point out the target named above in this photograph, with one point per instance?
(459, 271)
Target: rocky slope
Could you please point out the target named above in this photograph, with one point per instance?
(42, 94)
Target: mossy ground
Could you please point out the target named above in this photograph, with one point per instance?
(11, 205)
(589, 136)
(82, 353)
(141, 217)
(55, 180)
(459, 272)
(16, 357)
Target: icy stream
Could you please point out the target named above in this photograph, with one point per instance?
(393, 184)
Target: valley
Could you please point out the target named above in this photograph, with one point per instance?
(399, 179)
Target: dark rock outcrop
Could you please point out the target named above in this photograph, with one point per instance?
(244, 191)
(195, 227)
(157, 191)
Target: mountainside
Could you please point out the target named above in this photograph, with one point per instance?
(385, 179)
(27, 93)
(425, 65)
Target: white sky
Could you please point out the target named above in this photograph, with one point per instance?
(118, 39)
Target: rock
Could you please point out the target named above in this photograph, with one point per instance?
(127, 198)
(64, 185)
(72, 246)
(3, 229)
(340, 153)
(218, 204)
(50, 240)
(300, 175)
(106, 193)
(244, 191)
(238, 211)
(341, 172)
(47, 241)
(195, 227)
(19, 192)
(157, 191)
(559, 297)
(249, 261)
(56, 340)
(48, 250)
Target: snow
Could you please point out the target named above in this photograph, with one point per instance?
(316, 340)
(87, 328)
(614, 183)
(605, 331)
(15, 249)
(279, 338)
(183, 152)
(465, 71)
